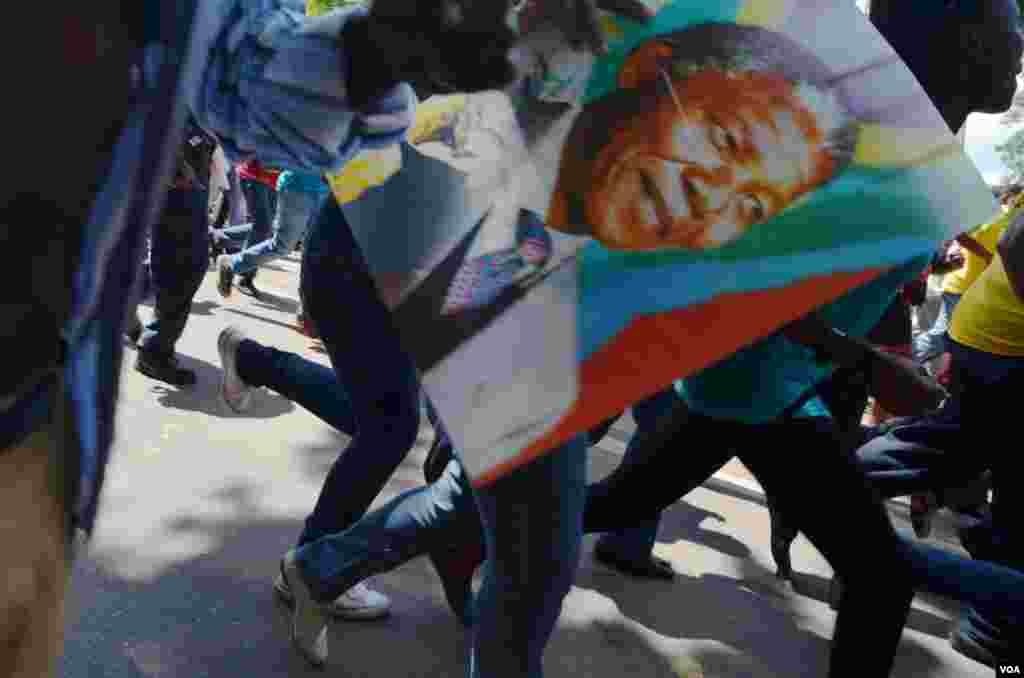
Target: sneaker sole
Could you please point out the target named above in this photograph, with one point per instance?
(227, 362)
(315, 661)
(286, 597)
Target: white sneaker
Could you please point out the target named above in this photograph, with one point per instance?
(235, 393)
(359, 603)
(309, 625)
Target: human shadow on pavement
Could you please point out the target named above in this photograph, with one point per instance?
(214, 613)
(204, 307)
(320, 456)
(211, 611)
(683, 521)
(204, 396)
(273, 302)
(753, 615)
(763, 632)
(814, 586)
(260, 318)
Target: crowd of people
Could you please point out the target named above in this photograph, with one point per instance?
(792, 406)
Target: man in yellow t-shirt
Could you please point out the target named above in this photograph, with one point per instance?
(986, 340)
(978, 246)
(990, 317)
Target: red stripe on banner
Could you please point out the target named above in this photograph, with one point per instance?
(677, 343)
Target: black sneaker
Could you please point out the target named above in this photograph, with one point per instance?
(164, 369)
(248, 286)
(134, 331)
(437, 459)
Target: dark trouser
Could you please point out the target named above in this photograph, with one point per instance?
(262, 202)
(372, 392)
(957, 446)
(177, 264)
(636, 542)
(782, 456)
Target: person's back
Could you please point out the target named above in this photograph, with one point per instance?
(990, 316)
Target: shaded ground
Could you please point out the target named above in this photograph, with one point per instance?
(201, 503)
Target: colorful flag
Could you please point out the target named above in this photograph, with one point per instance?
(723, 170)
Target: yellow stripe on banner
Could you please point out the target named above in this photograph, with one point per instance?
(434, 114)
(365, 171)
(764, 13)
(887, 147)
(318, 7)
(372, 168)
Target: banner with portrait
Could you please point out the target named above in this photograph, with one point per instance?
(556, 253)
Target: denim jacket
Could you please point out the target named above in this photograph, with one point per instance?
(274, 88)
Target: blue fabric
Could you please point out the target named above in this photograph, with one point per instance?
(533, 522)
(302, 182)
(932, 343)
(274, 88)
(757, 384)
(295, 210)
(416, 522)
(372, 393)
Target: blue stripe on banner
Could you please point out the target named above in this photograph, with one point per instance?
(607, 310)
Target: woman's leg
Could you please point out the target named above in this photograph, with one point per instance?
(368, 358)
(262, 202)
(858, 541)
(532, 519)
(311, 385)
(294, 209)
(430, 518)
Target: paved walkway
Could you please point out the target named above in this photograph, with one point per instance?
(201, 503)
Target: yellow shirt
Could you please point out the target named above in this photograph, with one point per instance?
(987, 235)
(990, 317)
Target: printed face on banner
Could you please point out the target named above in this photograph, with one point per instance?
(553, 254)
(691, 151)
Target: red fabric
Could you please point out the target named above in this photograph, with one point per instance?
(254, 170)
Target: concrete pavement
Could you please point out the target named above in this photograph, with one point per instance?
(200, 503)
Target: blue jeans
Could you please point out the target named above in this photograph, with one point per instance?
(235, 194)
(295, 211)
(932, 343)
(177, 265)
(372, 392)
(261, 201)
(532, 522)
(636, 543)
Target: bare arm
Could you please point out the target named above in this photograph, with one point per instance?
(894, 382)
